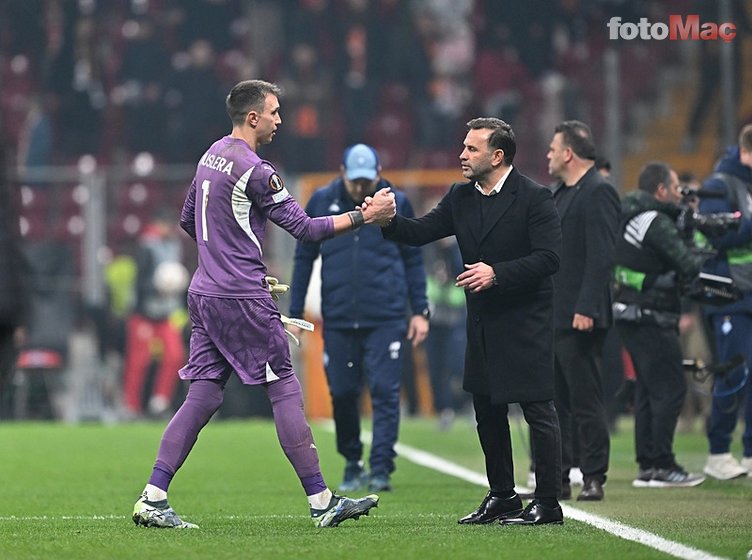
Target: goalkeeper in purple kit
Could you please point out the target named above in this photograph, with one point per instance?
(235, 324)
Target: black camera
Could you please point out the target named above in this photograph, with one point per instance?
(711, 225)
(708, 289)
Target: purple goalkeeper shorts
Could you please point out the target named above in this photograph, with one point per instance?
(241, 335)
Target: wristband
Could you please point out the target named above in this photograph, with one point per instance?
(356, 218)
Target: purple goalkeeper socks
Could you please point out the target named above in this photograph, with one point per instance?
(294, 433)
(203, 399)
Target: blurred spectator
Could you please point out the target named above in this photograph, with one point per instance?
(13, 295)
(193, 100)
(36, 137)
(307, 88)
(500, 79)
(142, 73)
(452, 55)
(447, 338)
(120, 279)
(531, 25)
(451, 49)
(709, 80)
(157, 318)
(358, 49)
(208, 20)
(74, 76)
(22, 28)
(312, 22)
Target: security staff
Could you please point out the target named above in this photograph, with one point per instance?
(367, 286)
(651, 262)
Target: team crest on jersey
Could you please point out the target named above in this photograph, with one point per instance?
(275, 183)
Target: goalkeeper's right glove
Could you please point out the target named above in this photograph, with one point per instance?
(300, 323)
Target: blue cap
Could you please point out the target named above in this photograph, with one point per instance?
(361, 162)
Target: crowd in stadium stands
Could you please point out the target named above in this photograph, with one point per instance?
(120, 77)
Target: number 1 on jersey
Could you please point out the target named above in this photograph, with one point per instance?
(204, 201)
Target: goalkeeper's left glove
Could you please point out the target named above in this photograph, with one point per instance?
(275, 288)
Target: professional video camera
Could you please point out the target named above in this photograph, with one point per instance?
(712, 289)
(706, 288)
(710, 225)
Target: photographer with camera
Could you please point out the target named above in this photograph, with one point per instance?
(652, 263)
(728, 190)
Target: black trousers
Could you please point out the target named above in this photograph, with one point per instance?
(579, 402)
(496, 442)
(659, 390)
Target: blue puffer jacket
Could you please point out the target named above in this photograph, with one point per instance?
(366, 281)
(729, 164)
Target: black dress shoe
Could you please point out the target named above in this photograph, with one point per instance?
(493, 508)
(536, 514)
(592, 491)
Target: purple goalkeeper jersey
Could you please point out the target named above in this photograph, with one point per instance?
(233, 194)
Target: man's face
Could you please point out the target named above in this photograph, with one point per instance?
(476, 157)
(268, 120)
(359, 189)
(558, 156)
(670, 192)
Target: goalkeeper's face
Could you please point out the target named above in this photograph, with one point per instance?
(268, 120)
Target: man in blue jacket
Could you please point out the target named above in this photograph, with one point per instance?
(366, 286)
(732, 324)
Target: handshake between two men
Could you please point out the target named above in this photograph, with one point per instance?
(379, 208)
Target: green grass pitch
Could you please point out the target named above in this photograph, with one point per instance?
(68, 492)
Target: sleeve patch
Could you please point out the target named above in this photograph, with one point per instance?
(280, 196)
(275, 183)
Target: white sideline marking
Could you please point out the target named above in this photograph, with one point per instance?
(61, 517)
(121, 517)
(431, 461)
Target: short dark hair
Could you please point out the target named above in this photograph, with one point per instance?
(652, 175)
(745, 138)
(578, 136)
(246, 96)
(502, 136)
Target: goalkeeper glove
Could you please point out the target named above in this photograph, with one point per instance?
(275, 288)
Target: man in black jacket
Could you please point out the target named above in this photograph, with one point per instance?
(589, 211)
(367, 288)
(651, 262)
(509, 235)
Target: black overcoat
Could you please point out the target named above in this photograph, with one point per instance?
(509, 353)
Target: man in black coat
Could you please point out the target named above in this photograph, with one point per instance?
(589, 209)
(508, 232)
